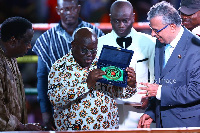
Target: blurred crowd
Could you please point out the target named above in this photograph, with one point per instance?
(43, 11)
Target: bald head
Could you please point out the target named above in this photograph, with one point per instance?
(122, 17)
(121, 5)
(84, 46)
(60, 2)
(84, 35)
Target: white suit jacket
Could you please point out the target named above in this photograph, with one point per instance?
(143, 46)
(142, 61)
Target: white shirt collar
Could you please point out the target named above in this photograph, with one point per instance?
(178, 37)
(196, 30)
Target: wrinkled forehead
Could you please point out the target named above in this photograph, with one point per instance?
(121, 6)
(122, 13)
(121, 9)
(88, 41)
(66, 3)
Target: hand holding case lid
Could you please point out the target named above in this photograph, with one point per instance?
(114, 62)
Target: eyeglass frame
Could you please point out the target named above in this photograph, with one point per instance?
(157, 31)
(92, 51)
(66, 9)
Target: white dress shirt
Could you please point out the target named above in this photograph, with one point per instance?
(196, 30)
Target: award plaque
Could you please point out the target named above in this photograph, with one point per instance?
(113, 73)
(114, 61)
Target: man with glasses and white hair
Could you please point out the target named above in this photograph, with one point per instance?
(174, 97)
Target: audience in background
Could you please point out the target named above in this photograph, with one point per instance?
(53, 16)
(190, 14)
(95, 10)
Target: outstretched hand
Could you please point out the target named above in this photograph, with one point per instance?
(32, 127)
(29, 127)
(150, 90)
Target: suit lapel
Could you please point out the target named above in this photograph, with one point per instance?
(158, 59)
(177, 55)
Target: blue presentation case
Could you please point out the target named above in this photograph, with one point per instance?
(114, 60)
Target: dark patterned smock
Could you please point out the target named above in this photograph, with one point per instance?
(12, 95)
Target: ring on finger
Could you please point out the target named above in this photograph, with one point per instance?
(147, 93)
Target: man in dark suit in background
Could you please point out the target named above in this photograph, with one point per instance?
(175, 96)
(190, 14)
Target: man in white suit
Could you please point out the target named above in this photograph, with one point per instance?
(124, 35)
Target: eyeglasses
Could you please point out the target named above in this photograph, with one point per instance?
(85, 51)
(66, 9)
(157, 31)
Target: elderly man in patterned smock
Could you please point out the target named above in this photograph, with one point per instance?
(80, 102)
(16, 34)
(54, 44)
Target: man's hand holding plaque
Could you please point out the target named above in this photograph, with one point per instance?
(131, 81)
(93, 76)
(115, 62)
